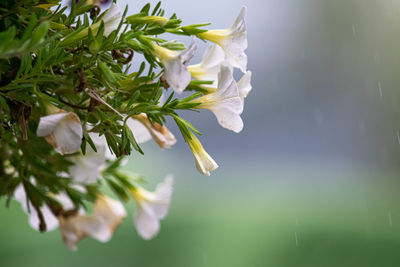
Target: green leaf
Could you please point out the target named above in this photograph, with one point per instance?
(108, 74)
(39, 34)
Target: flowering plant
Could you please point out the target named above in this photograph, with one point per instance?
(71, 108)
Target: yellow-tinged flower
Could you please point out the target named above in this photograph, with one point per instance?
(143, 130)
(62, 130)
(225, 102)
(152, 207)
(232, 40)
(204, 162)
(209, 67)
(107, 216)
(74, 224)
(175, 65)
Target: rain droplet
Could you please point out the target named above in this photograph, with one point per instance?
(296, 239)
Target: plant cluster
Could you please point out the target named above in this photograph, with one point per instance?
(72, 109)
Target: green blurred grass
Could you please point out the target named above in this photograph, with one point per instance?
(249, 217)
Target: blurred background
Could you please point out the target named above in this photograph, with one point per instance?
(312, 180)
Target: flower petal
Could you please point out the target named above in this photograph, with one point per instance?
(160, 134)
(209, 67)
(162, 197)
(225, 103)
(187, 54)
(107, 216)
(111, 19)
(62, 130)
(228, 114)
(49, 218)
(176, 72)
(152, 207)
(48, 124)
(235, 45)
(146, 223)
(177, 75)
(244, 85)
(139, 131)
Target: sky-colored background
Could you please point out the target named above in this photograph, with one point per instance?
(312, 180)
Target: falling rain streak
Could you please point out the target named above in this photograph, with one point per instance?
(380, 89)
(390, 218)
(296, 239)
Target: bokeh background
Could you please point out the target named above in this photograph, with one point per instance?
(312, 180)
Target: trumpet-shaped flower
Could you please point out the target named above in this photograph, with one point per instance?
(86, 168)
(209, 67)
(152, 207)
(232, 40)
(107, 216)
(244, 85)
(175, 65)
(225, 102)
(62, 130)
(204, 162)
(160, 134)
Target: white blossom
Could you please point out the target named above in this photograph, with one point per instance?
(152, 207)
(225, 102)
(175, 65)
(62, 130)
(143, 130)
(209, 67)
(204, 162)
(107, 216)
(232, 40)
(50, 219)
(87, 168)
(139, 131)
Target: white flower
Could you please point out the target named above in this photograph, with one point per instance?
(160, 134)
(62, 130)
(139, 131)
(111, 19)
(225, 102)
(204, 162)
(175, 65)
(87, 168)
(152, 207)
(50, 219)
(244, 85)
(209, 67)
(232, 40)
(107, 216)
